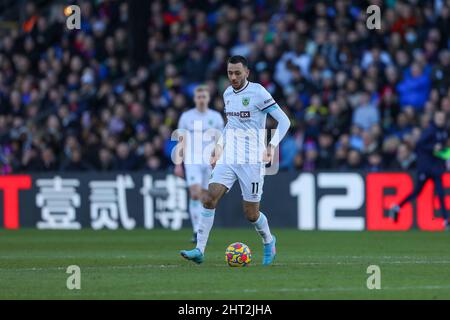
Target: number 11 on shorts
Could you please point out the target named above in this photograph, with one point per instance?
(255, 186)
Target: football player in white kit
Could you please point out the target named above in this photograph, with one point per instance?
(246, 106)
(196, 170)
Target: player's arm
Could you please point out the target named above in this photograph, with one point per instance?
(267, 104)
(282, 128)
(218, 149)
(180, 147)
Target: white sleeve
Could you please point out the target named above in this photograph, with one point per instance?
(265, 100)
(221, 141)
(283, 125)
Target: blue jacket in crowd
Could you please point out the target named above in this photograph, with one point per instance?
(414, 91)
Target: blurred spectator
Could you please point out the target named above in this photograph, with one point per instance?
(374, 162)
(49, 161)
(75, 162)
(310, 161)
(153, 163)
(288, 150)
(441, 73)
(405, 159)
(415, 88)
(125, 159)
(325, 158)
(389, 150)
(105, 160)
(366, 114)
(354, 160)
(31, 160)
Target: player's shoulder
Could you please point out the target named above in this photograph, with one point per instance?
(228, 91)
(252, 88)
(214, 113)
(186, 116)
(255, 85)
(256, 88)
(188, 112)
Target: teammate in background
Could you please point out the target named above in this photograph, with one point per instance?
(246, 106)
(433, 139)
(197, 171)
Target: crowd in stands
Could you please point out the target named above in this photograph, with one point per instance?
(358, 98)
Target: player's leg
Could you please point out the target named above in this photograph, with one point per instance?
(395, 209)
(210, 201)
(222, 179)
(193, 175)
(206, 174)
(215, 192)
(251, 180)
(258, 219)
(195, 208)
(437, 178)
(261, 224)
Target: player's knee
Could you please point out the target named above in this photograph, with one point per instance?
(195, 192)
(209, 202)
(195, 196)
(251, 214)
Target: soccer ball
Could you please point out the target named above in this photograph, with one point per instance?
(238, 254)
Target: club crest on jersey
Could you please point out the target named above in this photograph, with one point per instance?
(245, 101)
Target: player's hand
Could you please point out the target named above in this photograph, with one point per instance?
(268, 154)
(178, 171)
(178, 153)
(215, 155)
(437, 147)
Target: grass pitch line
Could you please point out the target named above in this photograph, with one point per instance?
(140, 266)
(149, 294)
(294, 290)
(154, 266)
(360, 263)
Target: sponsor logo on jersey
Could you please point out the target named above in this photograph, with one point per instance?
(244, 114)
(240, 114)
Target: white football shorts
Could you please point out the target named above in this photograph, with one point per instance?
(250, 176)
(197, 174)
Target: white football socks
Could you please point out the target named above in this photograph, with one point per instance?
(204, 227)
(195, 210)
(262, 227)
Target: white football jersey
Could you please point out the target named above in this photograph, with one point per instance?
(197, 123)
(246, 111)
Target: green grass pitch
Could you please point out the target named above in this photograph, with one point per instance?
(145, 264)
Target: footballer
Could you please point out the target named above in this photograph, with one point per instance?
(246, 107)
(196, 171)
(429, 167)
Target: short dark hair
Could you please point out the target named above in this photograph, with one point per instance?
(238, 59)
